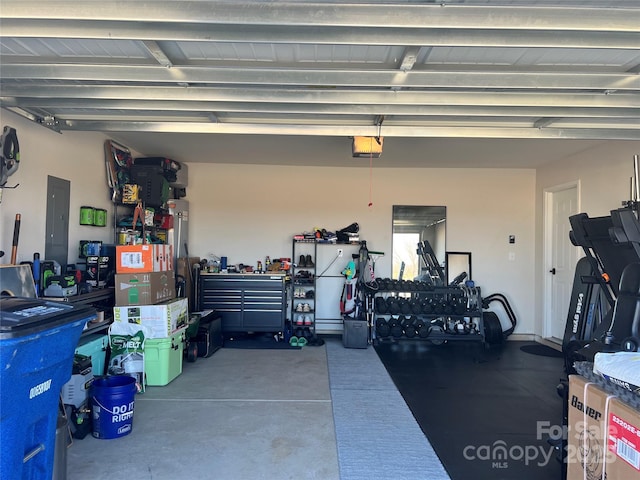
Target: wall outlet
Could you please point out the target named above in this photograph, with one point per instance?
(339, 252)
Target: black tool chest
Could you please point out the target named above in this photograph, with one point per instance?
(246, 302)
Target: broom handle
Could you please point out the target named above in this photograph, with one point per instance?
(16, 236)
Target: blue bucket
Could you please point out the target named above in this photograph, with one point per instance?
(112, 401)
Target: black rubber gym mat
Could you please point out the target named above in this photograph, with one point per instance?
(487, 413)
(542, 350)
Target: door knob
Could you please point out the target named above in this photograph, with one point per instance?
(553, 271)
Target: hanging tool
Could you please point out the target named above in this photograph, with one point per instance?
(36, 272)
(9, 155)
(16, 236)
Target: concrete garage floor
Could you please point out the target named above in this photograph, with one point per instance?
(331, 413)
(234, 415)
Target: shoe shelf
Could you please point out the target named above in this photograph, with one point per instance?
(303, 289)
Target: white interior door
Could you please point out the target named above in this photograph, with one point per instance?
(560, 259)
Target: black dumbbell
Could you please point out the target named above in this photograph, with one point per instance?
(382, 327)
(405, 306)
(427, 306)
(416, 306)
(381, 305)
(409, 327)
(396, 327)
(460, 306)
(393, 306)
(422, 328)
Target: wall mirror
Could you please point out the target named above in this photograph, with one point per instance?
(411, 225)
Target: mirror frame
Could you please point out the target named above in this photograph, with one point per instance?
(453, 262)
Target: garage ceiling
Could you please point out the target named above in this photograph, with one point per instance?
(448, 69)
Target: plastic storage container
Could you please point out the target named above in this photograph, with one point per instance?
(163, 358)
(355, 334)
(37, 343)
(95, 347)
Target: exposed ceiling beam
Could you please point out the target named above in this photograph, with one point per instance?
(544, 122)
(329, 77)
(389, 15)
(156, 52)
(409, 58)
(324, 35)
(332, 96)
(342, 122)
(104, 105)
(357, 130)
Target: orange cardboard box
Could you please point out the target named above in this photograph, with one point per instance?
(144, 258)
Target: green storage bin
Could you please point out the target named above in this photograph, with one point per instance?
(94, 346)
(163, 358)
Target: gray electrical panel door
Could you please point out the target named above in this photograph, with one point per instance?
(57, 233)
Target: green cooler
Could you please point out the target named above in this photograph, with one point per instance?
(163, 358)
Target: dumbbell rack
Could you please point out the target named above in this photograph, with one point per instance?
(420, 311)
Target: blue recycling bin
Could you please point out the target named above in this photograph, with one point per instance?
(37, 343)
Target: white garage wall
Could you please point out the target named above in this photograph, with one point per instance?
(604, 173)
(248, 212)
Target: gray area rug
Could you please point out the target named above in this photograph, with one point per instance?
(377, 436)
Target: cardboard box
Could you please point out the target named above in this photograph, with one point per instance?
(144, 258)
(144, 288)
(623, 443)
(162, 319)
(586, 429)
(600, 434)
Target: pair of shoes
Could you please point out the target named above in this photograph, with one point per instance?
(305, 262)
(297, 342)
(309, 262)
(303, 308)
(299, 293)
(309, 294)
(315, 341)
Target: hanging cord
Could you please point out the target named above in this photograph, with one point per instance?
(328, 266)
(377, 138)
(371, 176)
